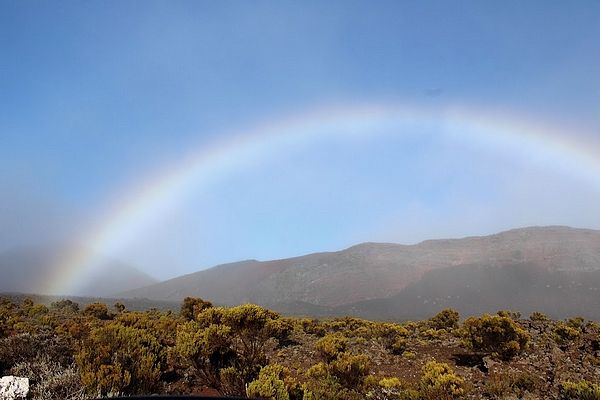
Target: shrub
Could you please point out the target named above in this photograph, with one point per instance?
(280, 328)
(192, 306)
(49, 380)
(496, 335)
(116, 359)
(435, 334)
(321, 385)
(26, 347)
(538, 317)
(119, 307)
(445, 319)
(390, 383)
(438, 382)
(221, 338)
(97, 310)
(399, 346)
(523, 382)
(350, 370)
(331, 345)
(162, 326)
(270, 384)
(37, 310)
(392, 389)
(515, 315)
(311, 326)
(65, 306)
(576, 322)
(208, 350)
(393, 337)
(565, 334)
(582, 390)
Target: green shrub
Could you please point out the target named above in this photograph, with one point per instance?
(192, 306)
(399, 346)
(116, 359)
(446, 319)
(515, 315)
(393, 337)
(565, 334)
(321, 385)
(576, 322)
(435, 334)
(331, 345)
(65, 306)
(438, 382)
(390, 383)
(271, 384)
(349, 369)
(496, 335)
(224, 338)
(392, 389)
(538, 317)
(208, 350)
(97, 310)
(582, 390)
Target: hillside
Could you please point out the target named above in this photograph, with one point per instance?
(26, 269)
(251, 351)
(547, 267)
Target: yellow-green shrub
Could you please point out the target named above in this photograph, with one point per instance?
(494, 334)
(119, 360)
(565, 334)
(331, 345)
(445, 319)
(581, 390)
(349, 369)
(439, 382)
(538, 317)
(97, 310)
(224, 338)
(192, 306)
(274, 383)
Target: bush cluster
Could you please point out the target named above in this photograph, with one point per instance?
(497, 335)
(72, 352)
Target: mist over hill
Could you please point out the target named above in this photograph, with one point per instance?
(28, 269)
(550, 269)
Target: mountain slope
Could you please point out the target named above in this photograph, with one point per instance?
(27, 269)
(377, 271)
(475, 289)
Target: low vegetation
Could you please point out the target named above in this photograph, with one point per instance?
(72, 352)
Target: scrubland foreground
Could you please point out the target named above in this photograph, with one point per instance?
(247, 350)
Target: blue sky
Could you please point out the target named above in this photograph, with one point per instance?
(97, 96)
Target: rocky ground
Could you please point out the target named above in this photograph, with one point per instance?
(537, 373)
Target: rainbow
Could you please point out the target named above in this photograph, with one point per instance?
(135, 210)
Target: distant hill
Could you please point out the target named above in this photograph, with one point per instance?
(26, 269)
(552, 269)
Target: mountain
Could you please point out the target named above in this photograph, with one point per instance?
(551, 269)
(26, 269)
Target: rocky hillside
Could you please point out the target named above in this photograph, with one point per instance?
(531, 268)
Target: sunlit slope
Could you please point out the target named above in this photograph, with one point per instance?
(514, 268)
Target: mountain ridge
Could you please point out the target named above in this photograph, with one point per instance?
(372, 271)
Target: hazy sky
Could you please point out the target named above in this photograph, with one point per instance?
(97, 97)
